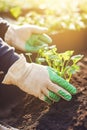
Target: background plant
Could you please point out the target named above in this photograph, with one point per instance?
(65, 15)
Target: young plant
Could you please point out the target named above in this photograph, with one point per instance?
(64, 64)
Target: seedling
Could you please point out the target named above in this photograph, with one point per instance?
(64, 64)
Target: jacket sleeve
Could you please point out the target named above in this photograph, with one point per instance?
(7, 56)
(3, 27)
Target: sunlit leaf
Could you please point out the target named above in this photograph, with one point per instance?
(15, 11)
(76, 58)
(66, 55)
(40, 60)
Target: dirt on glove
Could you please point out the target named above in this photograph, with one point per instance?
(28, 113)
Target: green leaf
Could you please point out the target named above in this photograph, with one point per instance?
(52, 57)
(66, 68)
(40, 60)
(57, 62)
(15, 11)
(73, 69)
(76, 58)
(66, 55)
(53, 47)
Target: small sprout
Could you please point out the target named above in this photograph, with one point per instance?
(65, 64)
(29, 55)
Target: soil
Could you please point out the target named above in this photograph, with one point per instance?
(29, 113)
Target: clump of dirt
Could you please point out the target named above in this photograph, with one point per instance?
(29, 113)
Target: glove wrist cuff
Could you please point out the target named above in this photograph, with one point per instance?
(17, 71)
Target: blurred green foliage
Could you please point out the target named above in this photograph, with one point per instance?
(55, 23)
(53, 14)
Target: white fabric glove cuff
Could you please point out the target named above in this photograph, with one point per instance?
(17, 72)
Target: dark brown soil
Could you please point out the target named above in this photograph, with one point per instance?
(28, 113)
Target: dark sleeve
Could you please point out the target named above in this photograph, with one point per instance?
(7, 56)
(3, 27)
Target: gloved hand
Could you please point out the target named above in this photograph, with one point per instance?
(38, 80)
(27, 38)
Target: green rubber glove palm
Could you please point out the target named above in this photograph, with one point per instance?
(36, 42)
(60, 82)
(27, 38)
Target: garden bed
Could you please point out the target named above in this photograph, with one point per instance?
(28, 113)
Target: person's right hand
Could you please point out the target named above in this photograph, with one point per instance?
(38, 80)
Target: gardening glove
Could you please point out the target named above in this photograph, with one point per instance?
(27, 38)
(38, 80)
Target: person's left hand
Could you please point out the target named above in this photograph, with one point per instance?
(27, 38)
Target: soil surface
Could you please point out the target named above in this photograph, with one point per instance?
(28, 113)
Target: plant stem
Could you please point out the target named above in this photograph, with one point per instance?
(30, 58)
